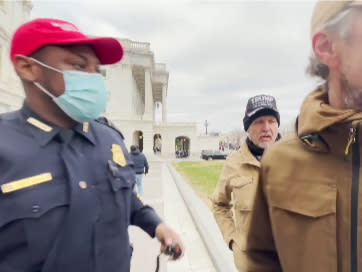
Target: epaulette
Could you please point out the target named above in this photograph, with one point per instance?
(105, 121)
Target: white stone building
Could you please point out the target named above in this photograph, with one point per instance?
(12, 14)
(137, 86)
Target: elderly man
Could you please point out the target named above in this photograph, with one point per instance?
(66, 197)
(307, 215)
(236, 188)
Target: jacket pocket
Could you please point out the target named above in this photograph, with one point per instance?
(311, 201)
(122, 180)
(303, 219)
(31, 203)
(29, 221)
(243, 191)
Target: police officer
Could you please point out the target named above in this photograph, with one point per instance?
(66, 197)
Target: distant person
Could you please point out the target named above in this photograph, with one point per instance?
(239, 177)
(140, 166)
(158, 145)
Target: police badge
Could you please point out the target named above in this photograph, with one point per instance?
(118, 156)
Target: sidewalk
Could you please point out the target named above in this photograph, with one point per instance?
(162, 194)
(209, 231)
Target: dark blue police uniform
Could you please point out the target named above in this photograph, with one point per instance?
(66, 197)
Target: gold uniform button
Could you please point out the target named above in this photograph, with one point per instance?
(83, 184)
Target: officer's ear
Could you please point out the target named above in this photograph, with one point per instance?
(26, 68)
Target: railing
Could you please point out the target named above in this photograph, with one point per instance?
(134, 45)
(140, 45)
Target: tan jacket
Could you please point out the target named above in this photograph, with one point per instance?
(301, 220)
(234, 196)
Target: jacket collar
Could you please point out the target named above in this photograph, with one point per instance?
(44, 131)
(323, 128)
(316, 114)
(246, 157)
(136, 152)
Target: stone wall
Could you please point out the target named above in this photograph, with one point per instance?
(12, 14)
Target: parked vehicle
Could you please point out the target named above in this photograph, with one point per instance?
(213, 155)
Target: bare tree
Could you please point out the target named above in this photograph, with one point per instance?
(235, 137)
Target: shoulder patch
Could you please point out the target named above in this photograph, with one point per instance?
(105, 121)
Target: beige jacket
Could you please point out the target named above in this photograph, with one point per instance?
(234, 196)
(301, 221)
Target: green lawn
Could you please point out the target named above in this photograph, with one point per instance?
(202, 176)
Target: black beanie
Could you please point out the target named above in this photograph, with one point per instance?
(260, 105)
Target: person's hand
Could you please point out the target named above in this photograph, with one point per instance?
(167, 237)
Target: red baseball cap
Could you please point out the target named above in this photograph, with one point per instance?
(37, 33)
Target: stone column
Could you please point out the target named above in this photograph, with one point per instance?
(148, 114)
(154, 112)
(164, 104)
(148, 141)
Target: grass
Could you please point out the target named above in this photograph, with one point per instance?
(202, 176)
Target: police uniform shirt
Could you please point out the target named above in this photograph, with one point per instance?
(66, 197)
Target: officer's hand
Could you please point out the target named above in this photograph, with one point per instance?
(168, 237)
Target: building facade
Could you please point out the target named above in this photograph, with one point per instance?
(138, 86)
(12, 14)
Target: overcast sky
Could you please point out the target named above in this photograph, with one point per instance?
(218, 53)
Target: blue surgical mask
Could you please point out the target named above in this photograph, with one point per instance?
(85, 96)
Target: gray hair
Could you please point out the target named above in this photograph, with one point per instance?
(339, 24)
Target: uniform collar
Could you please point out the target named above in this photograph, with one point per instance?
(86, 131)
(44, 131)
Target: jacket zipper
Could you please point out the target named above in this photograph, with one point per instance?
(354, 139)
(351, 140)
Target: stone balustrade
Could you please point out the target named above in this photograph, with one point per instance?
(135, 45)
